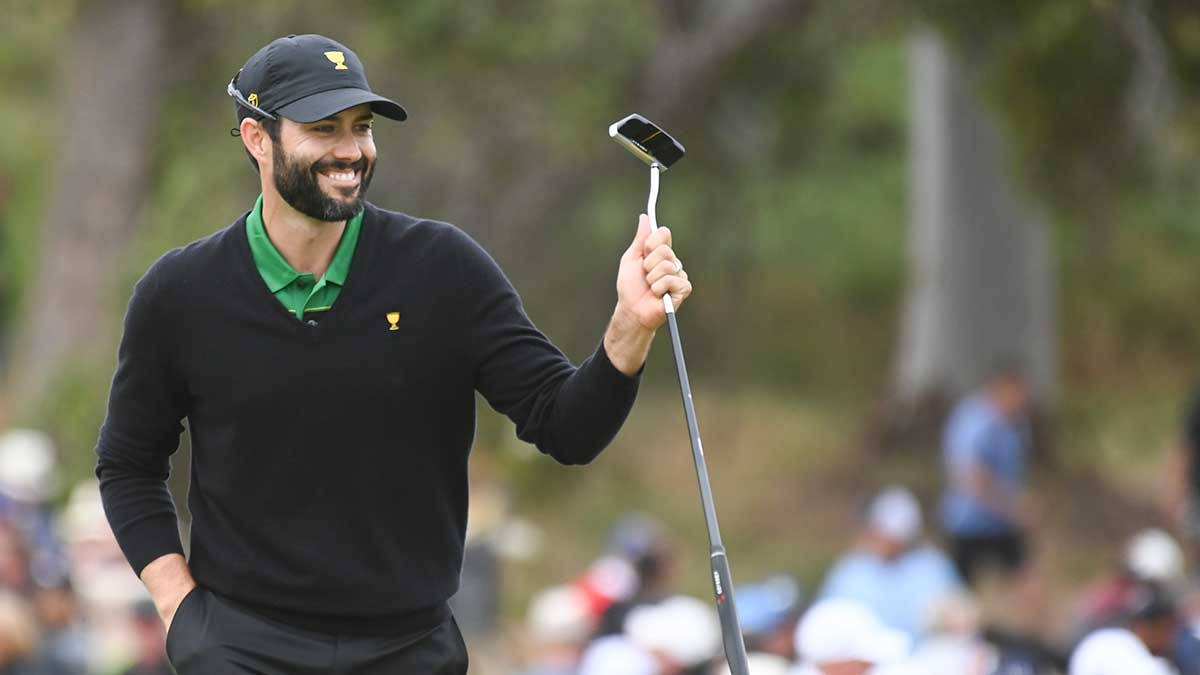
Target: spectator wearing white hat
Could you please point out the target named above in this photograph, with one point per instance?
(889, 570)
(617, 655)
(954, 644)
(1136, 646)
(1151, 557)
(844, 637)
(559, 624)
(681, 632)
(1115, 651)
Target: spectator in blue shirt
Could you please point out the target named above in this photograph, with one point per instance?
(985, 451)
(889, 571)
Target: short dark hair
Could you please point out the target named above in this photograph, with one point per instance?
(271, 126)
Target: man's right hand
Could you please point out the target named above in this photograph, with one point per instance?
(169, 581)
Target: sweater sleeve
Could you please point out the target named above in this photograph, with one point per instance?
(141, 431)
(569, 413)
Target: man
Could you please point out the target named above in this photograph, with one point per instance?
(986, 447)
(1136, 645)
(1183, 481)
(888, 571)
(844, 637)
(326, 353)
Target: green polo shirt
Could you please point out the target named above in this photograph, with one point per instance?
(300, 293)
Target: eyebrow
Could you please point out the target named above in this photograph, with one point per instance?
(333, 118)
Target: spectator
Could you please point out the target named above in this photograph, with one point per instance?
(18, 636)
(889, 571)
(985, 450)
(768, 612)
(559, 624)
(1183, 479)
(682, 633)
(28, 481)
(66, 643)
(760, 663)
(1151, 557)
(148, 628)
(843, 637)
(617, 655)
(644, 544)
(1146, 635)
(1115, 651)
(954, 645)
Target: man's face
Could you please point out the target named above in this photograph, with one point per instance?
(323, 168)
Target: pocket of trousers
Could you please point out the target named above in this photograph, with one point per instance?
(181, 623)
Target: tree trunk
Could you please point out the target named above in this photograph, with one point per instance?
(981, 284)
(110, 105)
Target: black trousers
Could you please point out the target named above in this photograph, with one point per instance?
(1004, 553)
(213, 636)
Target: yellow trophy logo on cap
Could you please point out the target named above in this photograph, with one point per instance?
(339, 60)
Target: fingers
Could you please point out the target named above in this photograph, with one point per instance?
(678, 286)
(666, 268)
(659, 237)
(659, 255)
(642, 235)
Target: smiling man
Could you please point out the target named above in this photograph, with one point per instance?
(326, 354)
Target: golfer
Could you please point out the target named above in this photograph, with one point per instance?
(326, 354)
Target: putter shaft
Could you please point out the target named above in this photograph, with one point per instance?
(731, 630)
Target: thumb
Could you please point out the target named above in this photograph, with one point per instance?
(639, 239)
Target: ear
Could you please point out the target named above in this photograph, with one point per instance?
(256, 140)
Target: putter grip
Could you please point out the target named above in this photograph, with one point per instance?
(731, 630)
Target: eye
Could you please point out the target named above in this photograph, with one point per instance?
(323, 128)
(364, 128)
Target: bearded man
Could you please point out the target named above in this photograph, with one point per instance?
(326, 354)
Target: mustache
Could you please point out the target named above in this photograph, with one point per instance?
(360, 165)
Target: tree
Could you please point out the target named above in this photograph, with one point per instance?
(110, 102)
(981, 281)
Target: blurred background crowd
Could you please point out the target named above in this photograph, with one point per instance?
(944, 341)
(951, 588)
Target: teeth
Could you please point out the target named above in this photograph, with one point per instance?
(342, 175)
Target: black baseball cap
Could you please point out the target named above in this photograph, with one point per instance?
(306, 78)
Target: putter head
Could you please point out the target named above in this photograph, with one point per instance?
(646, 140)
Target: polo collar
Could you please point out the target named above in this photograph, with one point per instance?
(277, 272)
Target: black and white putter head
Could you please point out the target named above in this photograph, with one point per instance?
(647, 141)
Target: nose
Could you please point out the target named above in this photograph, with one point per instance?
(346, 149)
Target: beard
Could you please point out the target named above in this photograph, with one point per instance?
(299, 186)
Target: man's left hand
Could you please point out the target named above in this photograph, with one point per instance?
(649, 269)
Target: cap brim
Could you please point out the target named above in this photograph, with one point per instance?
(328, 103)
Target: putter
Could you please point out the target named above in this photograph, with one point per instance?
(656, 147)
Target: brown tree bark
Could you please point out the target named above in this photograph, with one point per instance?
(110, 104)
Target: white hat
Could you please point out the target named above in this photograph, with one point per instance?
(617, 655)
(611, 577)
(1153, 555)
(759, 663)
(27, 465)
(1114, 651)
(843, 630)
(895, 514)
(683, 628)
(559, 615)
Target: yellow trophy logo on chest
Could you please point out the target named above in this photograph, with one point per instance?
(393, 318)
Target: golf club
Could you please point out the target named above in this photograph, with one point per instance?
(658, 149)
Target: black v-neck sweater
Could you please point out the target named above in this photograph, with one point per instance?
(329, 462)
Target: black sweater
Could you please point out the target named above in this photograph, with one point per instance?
(329, 481)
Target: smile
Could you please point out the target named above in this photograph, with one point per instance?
(341, 177)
